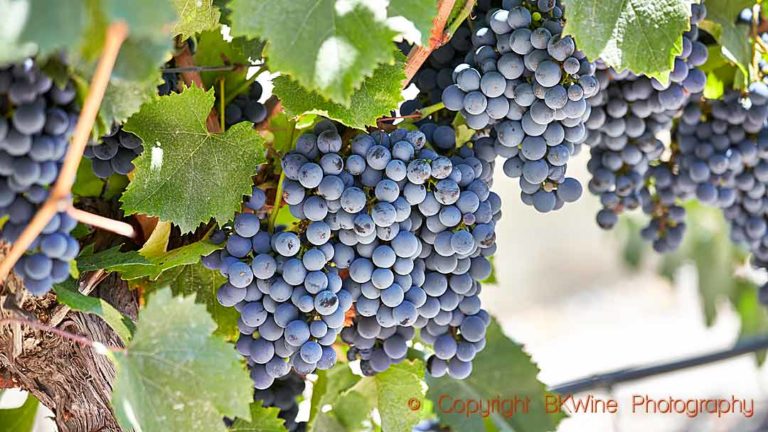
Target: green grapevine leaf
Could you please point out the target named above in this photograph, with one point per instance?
(377, 96)
(147, 19)
(125, 97)
(29, 27)
(328, 388)
(351, 398)
(21, 419)
(503, 370)
(262, 420)
(639, 35)
(132, 265)
(195, 16)
(754, 317)
(187, 175)
(203, 283)
(324, 45)
(140, 60)
(396, 389)
(733, 38)
(419, 12)
(67, 293)
(111, 260)
(174, 375)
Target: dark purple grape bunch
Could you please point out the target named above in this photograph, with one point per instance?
(428, 274)
(436, 74)
(115, 153)
(246, 107)
(523, 70)
(531, 85)
(717, 140)
(37, 118)
(661, 199)
(627, 115)
(289, 296)
(170, 84)
(284, 394)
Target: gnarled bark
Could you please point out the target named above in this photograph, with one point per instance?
(70, 379)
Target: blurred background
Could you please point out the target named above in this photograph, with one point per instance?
(584, 301)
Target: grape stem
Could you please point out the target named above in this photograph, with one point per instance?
(58, 198)
(431, 109)
(82, 340)
(438, 37)
(276, 205)
(463, 15)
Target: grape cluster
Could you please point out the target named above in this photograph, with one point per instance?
(283, 394)
(436, 74)
(246, 107)
(426, 274)
(627, 114)
(400, 227)
(532, 85)
(740, 123)
(715, 145)
(660, 198)
(291, 302)
(36, 119)
(115, 153)
(170, 84)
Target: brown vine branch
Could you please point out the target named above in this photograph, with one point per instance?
(437, 38)
(58, 198)
(82, 340)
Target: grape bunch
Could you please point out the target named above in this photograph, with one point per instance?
(625, 120)
(115, 153)
(531, 84)
(716, 142)
(246, 107)
(291, 302)
(400, 227)
(283, 394)
(436, 74)
(627, 114)
(737, 124)
(36, 120)
(426, 275)
(170, 84)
